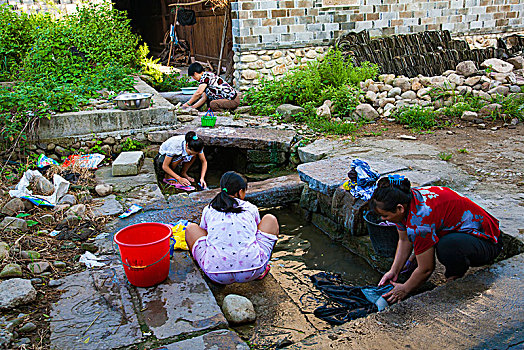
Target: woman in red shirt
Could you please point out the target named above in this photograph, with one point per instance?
(433, 220)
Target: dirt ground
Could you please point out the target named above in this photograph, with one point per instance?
(491, 156)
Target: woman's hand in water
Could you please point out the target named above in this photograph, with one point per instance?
(398, 293)
(388, 277)
(203, 183)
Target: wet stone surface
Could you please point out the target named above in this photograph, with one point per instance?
(122, 184)
(216, 340)
(94, 312)
(182, 304)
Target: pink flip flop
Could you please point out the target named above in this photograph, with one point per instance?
(178, 185)
(268, 267)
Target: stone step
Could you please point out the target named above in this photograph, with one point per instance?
(222, 339)
(268, 193)
(128, 163)
(245, 138)
(98, 308)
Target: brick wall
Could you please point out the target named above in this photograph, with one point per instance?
(272, 24)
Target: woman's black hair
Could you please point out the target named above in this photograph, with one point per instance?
(390, 192)
(194, 68)
(230, 183)
(194, 142)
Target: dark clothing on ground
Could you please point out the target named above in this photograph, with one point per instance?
(347, 302)
(458, 251)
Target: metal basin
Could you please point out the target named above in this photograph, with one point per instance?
(133, 101)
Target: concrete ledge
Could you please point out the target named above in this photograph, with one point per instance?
(108, 120)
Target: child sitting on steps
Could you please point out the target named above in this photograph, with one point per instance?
(232, 244)
(182, 150)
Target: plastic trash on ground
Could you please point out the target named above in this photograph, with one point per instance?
(44, 161)
(90, 260)
(89, 161)
(135, 208)
(21, 189)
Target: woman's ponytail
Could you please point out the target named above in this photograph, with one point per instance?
(230, 184)
(390, 192)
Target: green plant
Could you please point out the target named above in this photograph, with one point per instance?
(445, 156)
(462, 150)
(96, 148)
(512, 106)
(416, 117)
(173, 82)
(345, 99)
(132, 145)
(148, 65)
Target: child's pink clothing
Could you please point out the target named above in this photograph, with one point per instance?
(233, 243)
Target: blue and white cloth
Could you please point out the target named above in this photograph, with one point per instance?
(366, 180)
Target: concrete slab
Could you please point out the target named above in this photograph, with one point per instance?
(128, 163)
(326, 175)
(268, 193)
(480, 311)
(123, 184)
(248, 138)
(147, 196)
(318, 150)
(94, 312)
(84, 124)
(216, 340)
(106, 206)
(183, 304)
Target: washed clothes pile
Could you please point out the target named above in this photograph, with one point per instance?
(347, 302)
(365, 178)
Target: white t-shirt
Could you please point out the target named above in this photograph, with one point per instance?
(175, 147)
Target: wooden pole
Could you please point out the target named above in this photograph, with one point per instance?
(222, 44)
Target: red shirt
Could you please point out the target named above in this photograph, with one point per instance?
(437, 211)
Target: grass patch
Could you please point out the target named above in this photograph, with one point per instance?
(416, 117)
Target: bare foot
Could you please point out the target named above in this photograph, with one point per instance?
(188, 177)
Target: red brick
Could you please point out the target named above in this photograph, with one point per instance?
(485, 2)
(269, 22)
(312, 12)
(278, 13)
(511, 14)
(406, 14)
(288, 4)
(259, 14)
(382, 8)
(286, 21)
(433, 27)
(372, 16)
(396, 22)
(491, 9)
(501, 22)
(243, 14)
(504, 8)
(356, 18)
(498, 15)
(297, 12)
(455, 19)
(305, 3)
(248, 5)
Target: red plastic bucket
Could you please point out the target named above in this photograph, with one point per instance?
(144, 249)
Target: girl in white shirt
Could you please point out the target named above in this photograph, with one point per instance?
(177, 150)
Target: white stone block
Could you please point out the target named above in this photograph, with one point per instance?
(128, 163)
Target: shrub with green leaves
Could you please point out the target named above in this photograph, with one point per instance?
(60, 63)
(173, 82)
(416, 117)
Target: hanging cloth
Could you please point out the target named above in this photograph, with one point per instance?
(186, 17)
(347, 302)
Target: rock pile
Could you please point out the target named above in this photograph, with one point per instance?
(496, 78)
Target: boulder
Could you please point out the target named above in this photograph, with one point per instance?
(13, 224)
(366, 111)
(324, 111)
(38, 267)
(103, 190)
(489, 109)
(289, 111)
(43, 186)
(13, 207)
(27, 328)
(371, 96)
(466, 68)
(410, 95)
(15, 292)
(455, 79)
(68, 199)
(30, 254)
(4, 250)
(47, 219)
(238, 309)
(471, 81)
(499, 90)
(403, 83)
(11, 270)
(469, 116)
(78, 210)
(396, 91)
(416, 86)
(517, 62)
(497, 65)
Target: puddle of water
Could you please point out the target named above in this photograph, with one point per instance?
(302, 242)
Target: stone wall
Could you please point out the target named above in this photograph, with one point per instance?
(250, 66)
(272, 24)
(56, 6)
